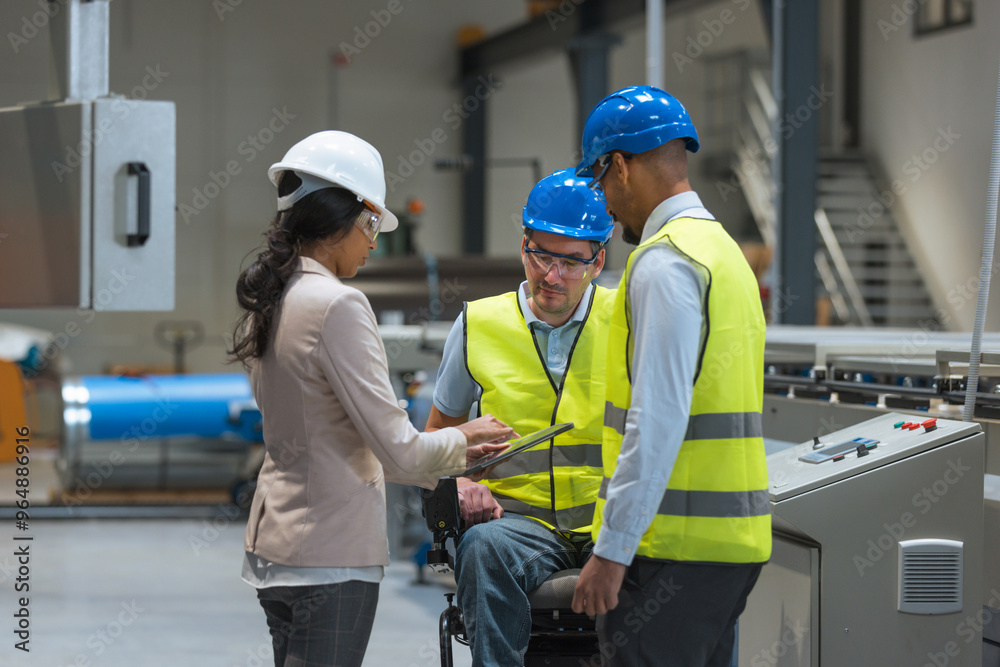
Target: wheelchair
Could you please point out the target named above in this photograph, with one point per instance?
(559, 637)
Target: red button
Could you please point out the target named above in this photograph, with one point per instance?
(929, 423)
(914, 426)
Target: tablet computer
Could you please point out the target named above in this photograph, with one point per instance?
(518, 446)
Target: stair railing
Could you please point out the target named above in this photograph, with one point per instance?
(754, 151)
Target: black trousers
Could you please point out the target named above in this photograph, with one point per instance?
(674, 614)
(320, 626)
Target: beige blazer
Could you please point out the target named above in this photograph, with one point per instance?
(333, 431)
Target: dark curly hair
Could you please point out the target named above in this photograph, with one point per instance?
(324, 214)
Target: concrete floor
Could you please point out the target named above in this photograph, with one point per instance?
(159, 592)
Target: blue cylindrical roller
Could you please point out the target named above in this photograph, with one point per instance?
(161, 406)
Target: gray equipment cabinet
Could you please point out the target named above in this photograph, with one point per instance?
(87, 184)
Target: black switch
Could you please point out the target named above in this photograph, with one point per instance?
(816, 442)
(862, 451)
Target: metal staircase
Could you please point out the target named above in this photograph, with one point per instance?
(862, 260)
(861, 218)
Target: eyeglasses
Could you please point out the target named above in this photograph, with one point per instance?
(370, 222)
(604, 162)
(567, 265)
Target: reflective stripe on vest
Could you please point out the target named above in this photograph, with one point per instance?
(720, 504)
(708, 426)
(544, 514)
(565, 456)
(503, 358)
(716, 506)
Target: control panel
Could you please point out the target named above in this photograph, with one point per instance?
(857, 449)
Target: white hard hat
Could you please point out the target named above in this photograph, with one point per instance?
(337, 158)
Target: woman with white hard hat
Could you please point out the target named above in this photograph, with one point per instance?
(333, 431)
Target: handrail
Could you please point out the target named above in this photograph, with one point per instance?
(830, 283)
(755, 144)
(840, 263)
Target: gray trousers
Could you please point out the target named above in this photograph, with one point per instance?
(674, 614)
(320, 626)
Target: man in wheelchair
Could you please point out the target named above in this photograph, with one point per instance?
(532, 358)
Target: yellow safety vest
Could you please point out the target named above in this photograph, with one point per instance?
(555, 482)
(716, 507)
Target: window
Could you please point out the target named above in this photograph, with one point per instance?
(934, 15)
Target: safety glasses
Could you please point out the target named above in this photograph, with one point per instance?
(567, 265)
(604, 163)
(370, 221)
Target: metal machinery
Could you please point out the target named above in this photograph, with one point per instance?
(885, 535)
(156, 431)
(87, 183)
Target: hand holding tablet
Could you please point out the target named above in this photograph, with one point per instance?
(516, 447)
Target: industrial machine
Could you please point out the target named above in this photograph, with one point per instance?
(824, 387)
(159, 431)
(878, 548)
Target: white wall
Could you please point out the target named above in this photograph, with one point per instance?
(229, 71)
(913, 90)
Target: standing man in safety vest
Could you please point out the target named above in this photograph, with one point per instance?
(683, 509)
(534, 357)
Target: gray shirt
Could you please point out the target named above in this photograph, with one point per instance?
(456, 391)
(667, 324)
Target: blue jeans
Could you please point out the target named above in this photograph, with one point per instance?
(497, 564)
(319, 626)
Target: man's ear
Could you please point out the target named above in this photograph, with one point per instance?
(598, 263)
(623, 166)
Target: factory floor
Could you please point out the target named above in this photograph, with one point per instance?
(159, 592)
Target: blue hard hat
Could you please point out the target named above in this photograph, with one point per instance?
(635, 120)
(561, 203)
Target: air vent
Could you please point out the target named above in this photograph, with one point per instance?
(930, 576)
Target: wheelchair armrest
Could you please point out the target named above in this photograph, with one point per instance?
(444, 519)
